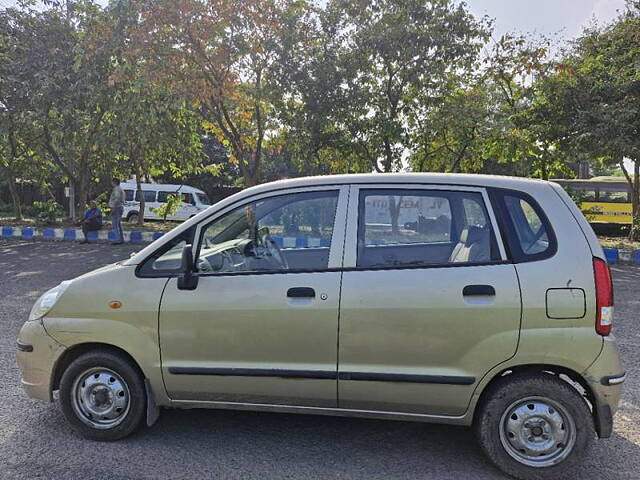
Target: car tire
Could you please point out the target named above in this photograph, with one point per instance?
(535, 426)
(102, 395)
(132, 218)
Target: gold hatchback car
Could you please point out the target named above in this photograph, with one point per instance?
(461, 299)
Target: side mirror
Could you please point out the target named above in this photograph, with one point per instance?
(188, 279)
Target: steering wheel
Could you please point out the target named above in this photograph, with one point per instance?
(274, 250)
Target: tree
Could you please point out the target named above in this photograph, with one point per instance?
(392, 59)
(147, 129)
(221, 54)
(594, 99)
(62, 84)
(18, 160)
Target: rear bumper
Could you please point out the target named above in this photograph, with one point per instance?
(605, 377)
(36, 354)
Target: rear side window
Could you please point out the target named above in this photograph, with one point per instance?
(531, 237)
(403, 228)
(149, 195)
(162, 196)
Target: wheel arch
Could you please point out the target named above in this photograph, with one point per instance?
(71, 353)
(573, 378)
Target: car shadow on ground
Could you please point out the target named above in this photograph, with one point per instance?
(232, 444)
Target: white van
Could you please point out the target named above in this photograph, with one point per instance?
(155, 194)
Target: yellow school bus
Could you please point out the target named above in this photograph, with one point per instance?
(601, 199)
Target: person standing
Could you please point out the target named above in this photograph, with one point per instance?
(116, 202)
(92, 220)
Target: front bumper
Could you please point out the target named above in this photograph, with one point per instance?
(37, 353)
(605, 377)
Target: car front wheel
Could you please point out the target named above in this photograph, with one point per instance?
(535, 426)
(103, 396)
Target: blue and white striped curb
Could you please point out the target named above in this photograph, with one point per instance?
(73, 234)
(301, 242)
(615, 255)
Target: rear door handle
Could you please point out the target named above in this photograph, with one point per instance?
(301, 292)
(477, 290)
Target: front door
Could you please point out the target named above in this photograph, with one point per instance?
(428, 306)
(261, 325)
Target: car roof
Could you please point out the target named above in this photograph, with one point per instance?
(498, 181)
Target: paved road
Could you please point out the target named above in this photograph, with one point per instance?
(35, 441)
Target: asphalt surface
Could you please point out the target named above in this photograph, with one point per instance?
(36, 442)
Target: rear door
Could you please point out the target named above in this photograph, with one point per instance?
(429, 303)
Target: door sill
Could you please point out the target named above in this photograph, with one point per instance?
(337, 412)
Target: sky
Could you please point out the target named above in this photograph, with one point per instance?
(564, 18)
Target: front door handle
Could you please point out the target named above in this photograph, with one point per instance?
(301, 292)
(477, 290)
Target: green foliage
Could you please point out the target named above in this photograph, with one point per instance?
(49, 211)
(230, 93)
(373, 76)
(170, 207)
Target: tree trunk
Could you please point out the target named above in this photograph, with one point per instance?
(634, 187)
(394, 213)
(82, 192)
(134, 156)
(249, 174)
(635, 202)
(15, 197)
(387, 164)
(140, 196)
(11, 176)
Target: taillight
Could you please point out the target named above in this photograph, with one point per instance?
(604, 297)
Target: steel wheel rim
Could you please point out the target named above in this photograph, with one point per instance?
(101, 398)
(537, 432)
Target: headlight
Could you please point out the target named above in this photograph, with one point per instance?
(47, 301)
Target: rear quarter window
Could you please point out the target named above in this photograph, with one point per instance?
(529, 233)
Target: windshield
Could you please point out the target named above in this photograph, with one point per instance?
(203, 199)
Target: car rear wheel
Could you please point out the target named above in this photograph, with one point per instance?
(133, 218)
(535, 426)
(103, 396)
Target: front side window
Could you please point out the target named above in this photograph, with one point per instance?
(399, 228)
(188, 198)
(531, 231)
(204, 200)
(289, 232)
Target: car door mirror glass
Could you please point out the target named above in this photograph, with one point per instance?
(188, 279)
